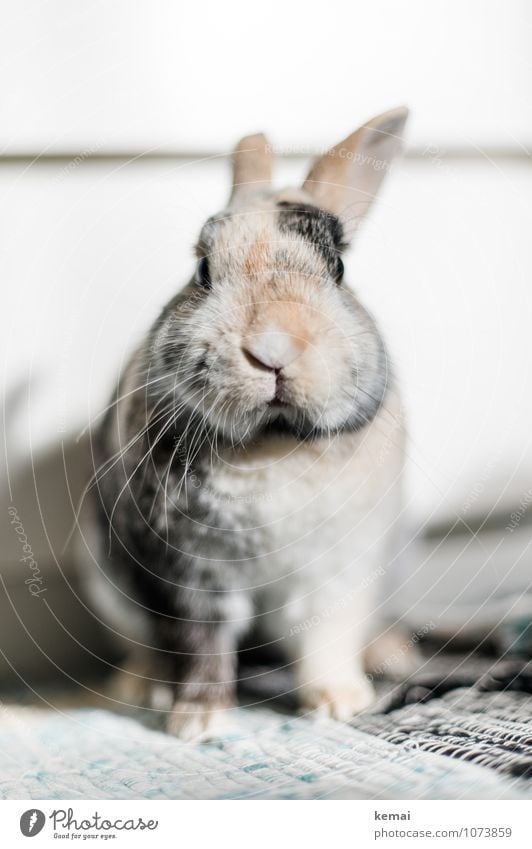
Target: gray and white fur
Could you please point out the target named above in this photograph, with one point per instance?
(248, 471)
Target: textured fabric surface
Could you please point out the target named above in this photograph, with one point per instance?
(492, 730)
(461, 727)
(96, 754)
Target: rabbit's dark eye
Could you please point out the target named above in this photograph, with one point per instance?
(203, 276)
(339, 270)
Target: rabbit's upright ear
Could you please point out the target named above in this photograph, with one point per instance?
(347, 178)
(252, 165)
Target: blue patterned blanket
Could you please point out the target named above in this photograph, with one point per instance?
(440, 736)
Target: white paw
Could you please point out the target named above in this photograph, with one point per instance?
(197, 722)
(338, 701)
(393, 655)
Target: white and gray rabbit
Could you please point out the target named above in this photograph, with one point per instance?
(249, 468)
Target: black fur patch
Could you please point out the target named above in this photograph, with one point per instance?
(322, 229)
(184, 598)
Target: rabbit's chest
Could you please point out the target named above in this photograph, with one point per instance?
(297, 510)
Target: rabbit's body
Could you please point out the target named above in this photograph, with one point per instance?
(306, 548)
(249, 471)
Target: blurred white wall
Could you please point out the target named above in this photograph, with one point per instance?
(124, 74)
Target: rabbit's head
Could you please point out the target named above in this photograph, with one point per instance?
(268, 336)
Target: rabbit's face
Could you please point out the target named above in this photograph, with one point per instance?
(268, 336)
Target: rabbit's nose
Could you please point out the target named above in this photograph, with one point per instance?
(272, 348)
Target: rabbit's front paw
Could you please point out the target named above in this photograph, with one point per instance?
(392, 654)
(338, 701)
(197, 721)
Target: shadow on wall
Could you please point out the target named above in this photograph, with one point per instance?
(47, 629)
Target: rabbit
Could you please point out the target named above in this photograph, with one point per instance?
(249, 466)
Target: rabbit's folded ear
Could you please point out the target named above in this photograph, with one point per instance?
(252, 165)
(347, 178)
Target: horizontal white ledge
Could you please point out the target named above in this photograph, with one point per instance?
(428, 153)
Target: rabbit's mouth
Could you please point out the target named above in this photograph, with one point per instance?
(279, 399)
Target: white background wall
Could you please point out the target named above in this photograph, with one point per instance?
(124, 74)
